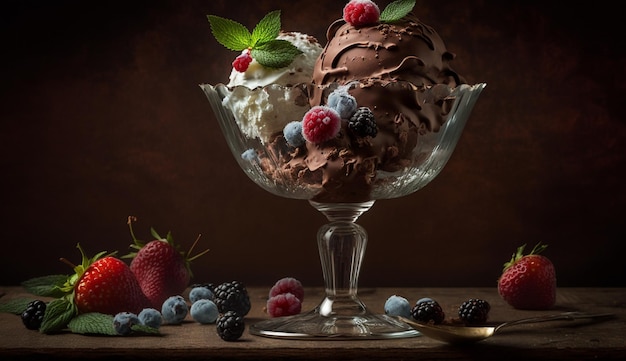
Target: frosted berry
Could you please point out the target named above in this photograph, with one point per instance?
(242, 62)
(362, 123)
(293, 133)
(342, 102)
(230, 326)
(204, 311)
(320, 124)
(284, 304)
(288, 285)
(428, 312)
(174, 310)
(398, 306)
(361, 12)
(33, 314)
(150, 317)
(124, 321)
(474, 311)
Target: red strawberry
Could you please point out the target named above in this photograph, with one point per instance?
(528, 281)
(108, 286)
(160, 267)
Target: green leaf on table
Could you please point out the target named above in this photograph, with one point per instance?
(46, 286)
(93, 323)
(143, 329)
(15, 306)
(58, 314)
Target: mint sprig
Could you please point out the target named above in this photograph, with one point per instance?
(262, 41)
(396, 11)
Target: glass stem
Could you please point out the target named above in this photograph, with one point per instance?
(342, 245)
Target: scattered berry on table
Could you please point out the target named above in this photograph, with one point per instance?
(123, 322)
(288, 285)
(293, 133)
(242, 61)
(33, 314)
(320, 124)
(284, 304)
(230, 326)
(174, 310)
(200, 293)
(528, 282)
(398, 306)
(204, 311)
(342, 102)
(362, 123)
(361, 12)
(232, 296)
(427, 312)
(150, 317)
(474, 311)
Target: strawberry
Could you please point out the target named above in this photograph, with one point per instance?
(528, 281)
(160, 267)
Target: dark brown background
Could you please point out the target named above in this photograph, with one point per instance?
(102, 117)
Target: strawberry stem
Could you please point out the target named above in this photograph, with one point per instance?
(189, 259)
(64, 260)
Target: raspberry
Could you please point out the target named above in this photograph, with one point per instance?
(320, 124)
(284, 304)
(474, 311)
(361, 12)
(33, 314)
(174, 310)
(293, 133)
(288, 285)
(204, 311)
(150, 317)
(362, 123)
(232, 296)
(398, 306)
(428, 311)
(230, 326)
(344, 103)
(242, 61)
(124, 321)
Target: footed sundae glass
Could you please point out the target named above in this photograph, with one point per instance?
(341, 242)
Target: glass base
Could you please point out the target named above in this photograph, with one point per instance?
(330, 321)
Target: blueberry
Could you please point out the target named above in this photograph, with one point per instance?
(200, 293)
(150, 317)
(174, 310)
(123, 322)
(293, 133)
(204, 311)
(398, 306)
(249, 155)
(343, 103)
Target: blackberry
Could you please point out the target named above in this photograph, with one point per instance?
(362, 123)
(474, 311)
(33, 314)
(210, 286)
(232, 296)
(428, 311)
(230, 326)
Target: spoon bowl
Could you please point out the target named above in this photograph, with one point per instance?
(468, 334)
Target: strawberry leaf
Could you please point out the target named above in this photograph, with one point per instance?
(396, 10)
(93, 324)
(229, 33)
(46, 286)
(58, 314)
(276, 53)
(267, 29)
(15, 306)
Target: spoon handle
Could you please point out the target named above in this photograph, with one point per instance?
(561, 316)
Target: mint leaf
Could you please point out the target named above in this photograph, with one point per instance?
(15, 306)
(93, 324)
(145, 330)
(229, 33)
(46, 286)
(276, 53)
(396, 10)
(267, 29)
(58, 314)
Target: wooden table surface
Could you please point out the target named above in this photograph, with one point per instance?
(571, 340)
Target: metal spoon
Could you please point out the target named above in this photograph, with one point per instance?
(468, 334)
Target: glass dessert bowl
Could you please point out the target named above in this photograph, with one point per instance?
(342, 178)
